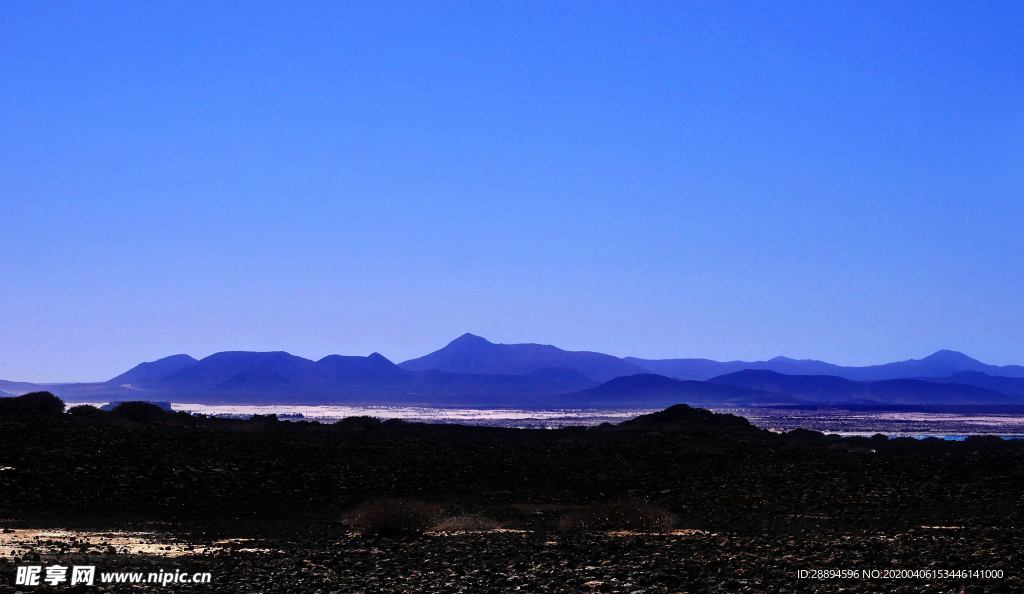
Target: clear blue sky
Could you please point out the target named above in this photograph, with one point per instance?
(835, 180)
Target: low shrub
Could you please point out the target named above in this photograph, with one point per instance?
(471, 523)
(138, 411)
(629, 514)
(394, 517)
(363, 423)
(85, 410)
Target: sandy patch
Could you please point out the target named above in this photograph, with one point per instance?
(50, 542)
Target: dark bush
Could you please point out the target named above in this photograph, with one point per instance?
(629, 514)
(394, 517)
(804, 435)
(138, 411)
(34, 402)
(363, 423)
(85, 410)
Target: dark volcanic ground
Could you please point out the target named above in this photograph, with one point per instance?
(753, 508)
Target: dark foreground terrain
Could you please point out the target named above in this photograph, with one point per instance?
(263, 505)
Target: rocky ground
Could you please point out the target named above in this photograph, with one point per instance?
(261, 504)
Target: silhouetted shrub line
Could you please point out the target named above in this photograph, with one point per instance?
(87, 411)
(628, 514)
(466, 523)
(680, 419)
(33, 402)
(394, 517)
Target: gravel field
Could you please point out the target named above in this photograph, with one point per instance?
(264, 505)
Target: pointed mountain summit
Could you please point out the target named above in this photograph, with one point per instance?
(939, 364)
(473, 354)
(940, 361)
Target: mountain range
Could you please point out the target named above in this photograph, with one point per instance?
(939, 364)
(473, 354)
(827, 389)
(472, 371)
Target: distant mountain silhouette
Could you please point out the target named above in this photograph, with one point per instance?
(1006, 385)
(91, 392)
(649, 390)
(371, 367)
(939, 364)
(145, 371)
(471, 371)
(19, 388)
(237, 369)
(473, 354)
(703, 369)
(836, 390)
(279, 377)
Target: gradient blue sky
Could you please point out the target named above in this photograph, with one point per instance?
(835, 180)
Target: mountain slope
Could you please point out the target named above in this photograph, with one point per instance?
(94, 392)
(1006, 385)
(472, 371)
(473, 354)
(19, 388)
(835, 390)
(278, 377)
(153, 369)
(939, 364)
(239, 369)
(649, 390)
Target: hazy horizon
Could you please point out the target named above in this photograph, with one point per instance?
(739, 181)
